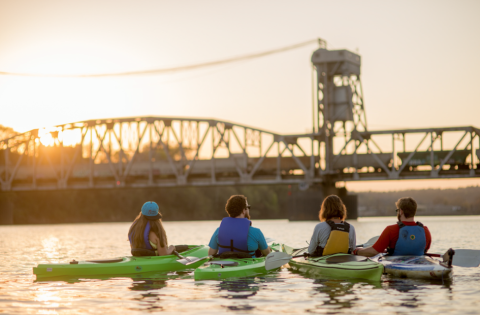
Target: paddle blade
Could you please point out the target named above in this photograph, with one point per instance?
(276, 260)
(344, 258)
(371, 241)
(191, 260)
(269, 240)
(466, 258)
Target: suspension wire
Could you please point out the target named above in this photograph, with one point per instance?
(173, 69)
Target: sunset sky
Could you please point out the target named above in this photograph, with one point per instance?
(419, 61)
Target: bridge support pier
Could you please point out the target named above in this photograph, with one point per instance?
(304, 205)
(6, 208)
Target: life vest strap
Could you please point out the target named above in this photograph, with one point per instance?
(142, 252)
(233, 248)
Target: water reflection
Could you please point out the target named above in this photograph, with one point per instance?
(242, 289)
(239, 288)
(408, 285)
(340, 293)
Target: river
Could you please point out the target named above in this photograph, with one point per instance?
(282, 292)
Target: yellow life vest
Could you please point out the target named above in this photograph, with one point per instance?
(338, 241)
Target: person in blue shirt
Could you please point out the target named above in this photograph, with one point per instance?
(236, 233)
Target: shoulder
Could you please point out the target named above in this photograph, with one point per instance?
(322, 225)
(215, 234)
(352, 228)
(255, 230)
(255, 233)
(393, 227)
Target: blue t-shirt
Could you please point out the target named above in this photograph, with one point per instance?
(255, 240)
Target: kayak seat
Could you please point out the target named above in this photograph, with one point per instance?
(181, 248)
(225, 263)
(105, 261)
(345, 258)
(229, 254)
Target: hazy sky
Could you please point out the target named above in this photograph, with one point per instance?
(419, 61)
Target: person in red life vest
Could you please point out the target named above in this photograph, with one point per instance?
(406, 238)
(236, 233)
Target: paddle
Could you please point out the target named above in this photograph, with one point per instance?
(466, 258)
(193, 260)
(277, 259)
(370, 242)
(187, 260)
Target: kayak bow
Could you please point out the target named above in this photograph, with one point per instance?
(122, 265)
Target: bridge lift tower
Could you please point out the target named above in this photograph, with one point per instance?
(340, 107)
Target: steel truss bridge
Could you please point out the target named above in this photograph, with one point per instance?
(167, 151)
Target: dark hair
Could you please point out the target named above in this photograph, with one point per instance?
(408, 205)
(138, 227)
(235, 205)
(332, 207)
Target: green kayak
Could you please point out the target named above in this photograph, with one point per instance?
(334, 266)
(122, 265)
(219, 268)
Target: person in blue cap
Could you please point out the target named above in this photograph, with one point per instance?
(146, 234)
(236, 236)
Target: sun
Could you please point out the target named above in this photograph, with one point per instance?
(48, 135)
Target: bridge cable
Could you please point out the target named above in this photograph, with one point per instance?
(173, 69)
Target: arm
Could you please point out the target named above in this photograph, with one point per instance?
(313, 240)
(428, 238)
(352, 239)
(212, 251)
(267, 251)
(262, 243)
(379, 247)
(161, 251)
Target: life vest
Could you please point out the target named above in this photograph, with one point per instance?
(338, 240)
(148, 250)
(233, 235)
(411, 240)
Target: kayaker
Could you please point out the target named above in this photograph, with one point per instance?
(332, 235)
(407, 237)
(236, 234)
(146, 234)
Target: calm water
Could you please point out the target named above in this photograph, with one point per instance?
(284, 292)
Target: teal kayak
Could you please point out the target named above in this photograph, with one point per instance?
(121, 266)
(339, 266)
(219, 268)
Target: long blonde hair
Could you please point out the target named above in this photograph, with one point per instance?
(138, 227)
(332, 207)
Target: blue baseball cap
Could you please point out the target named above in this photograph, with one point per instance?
(150, 211)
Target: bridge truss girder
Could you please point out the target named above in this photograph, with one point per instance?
(153, 151)
(164, 151)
